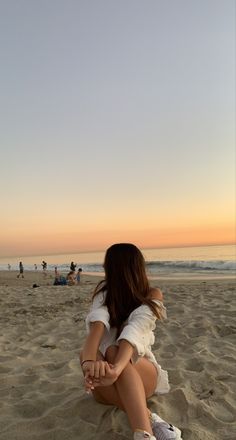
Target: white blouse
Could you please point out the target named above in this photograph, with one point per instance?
(138, 331)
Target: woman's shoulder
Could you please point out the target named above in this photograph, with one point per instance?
(155, 293)
(99, 299)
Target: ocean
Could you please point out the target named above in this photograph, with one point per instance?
(197, 261)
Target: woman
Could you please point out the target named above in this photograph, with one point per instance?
(118, 364)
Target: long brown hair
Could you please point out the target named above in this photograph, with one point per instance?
(126, 283)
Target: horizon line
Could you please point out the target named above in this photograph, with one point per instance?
(104, 249)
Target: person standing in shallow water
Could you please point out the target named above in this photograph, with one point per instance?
(117, 361)
(21, 269)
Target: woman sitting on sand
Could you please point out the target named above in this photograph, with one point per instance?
(117, 362)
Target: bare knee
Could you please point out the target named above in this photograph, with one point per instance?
(99, 397)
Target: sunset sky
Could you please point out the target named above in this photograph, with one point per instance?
(117, 124)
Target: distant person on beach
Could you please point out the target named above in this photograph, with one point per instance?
(59, 280)
(44, 266)
(9, 267)
(70, 278)
(21, 269)
(35, 267)
(118, 364)
(72, 266)
(78, 276)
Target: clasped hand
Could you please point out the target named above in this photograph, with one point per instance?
(98, 373)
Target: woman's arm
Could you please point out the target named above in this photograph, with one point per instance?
(92, 341)
(125, 352)
(106, 374)
(92, 368)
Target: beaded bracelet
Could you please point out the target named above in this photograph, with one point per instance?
(86, 360)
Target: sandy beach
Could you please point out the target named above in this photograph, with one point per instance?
(42, 332)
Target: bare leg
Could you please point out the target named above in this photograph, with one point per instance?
(129, 392)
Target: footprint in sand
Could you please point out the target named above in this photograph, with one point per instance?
(175, 377)
(29, 409)
(194, 365)
(222, 410)
(226, 330)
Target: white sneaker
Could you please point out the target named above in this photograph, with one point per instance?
(142, 435)
(164, 430)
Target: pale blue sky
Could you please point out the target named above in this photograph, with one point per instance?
(123, 106)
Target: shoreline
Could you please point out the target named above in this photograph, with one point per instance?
(9, 277)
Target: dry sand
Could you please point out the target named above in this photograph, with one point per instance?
(41, 334)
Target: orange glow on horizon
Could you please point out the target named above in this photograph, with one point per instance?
(88, 241)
